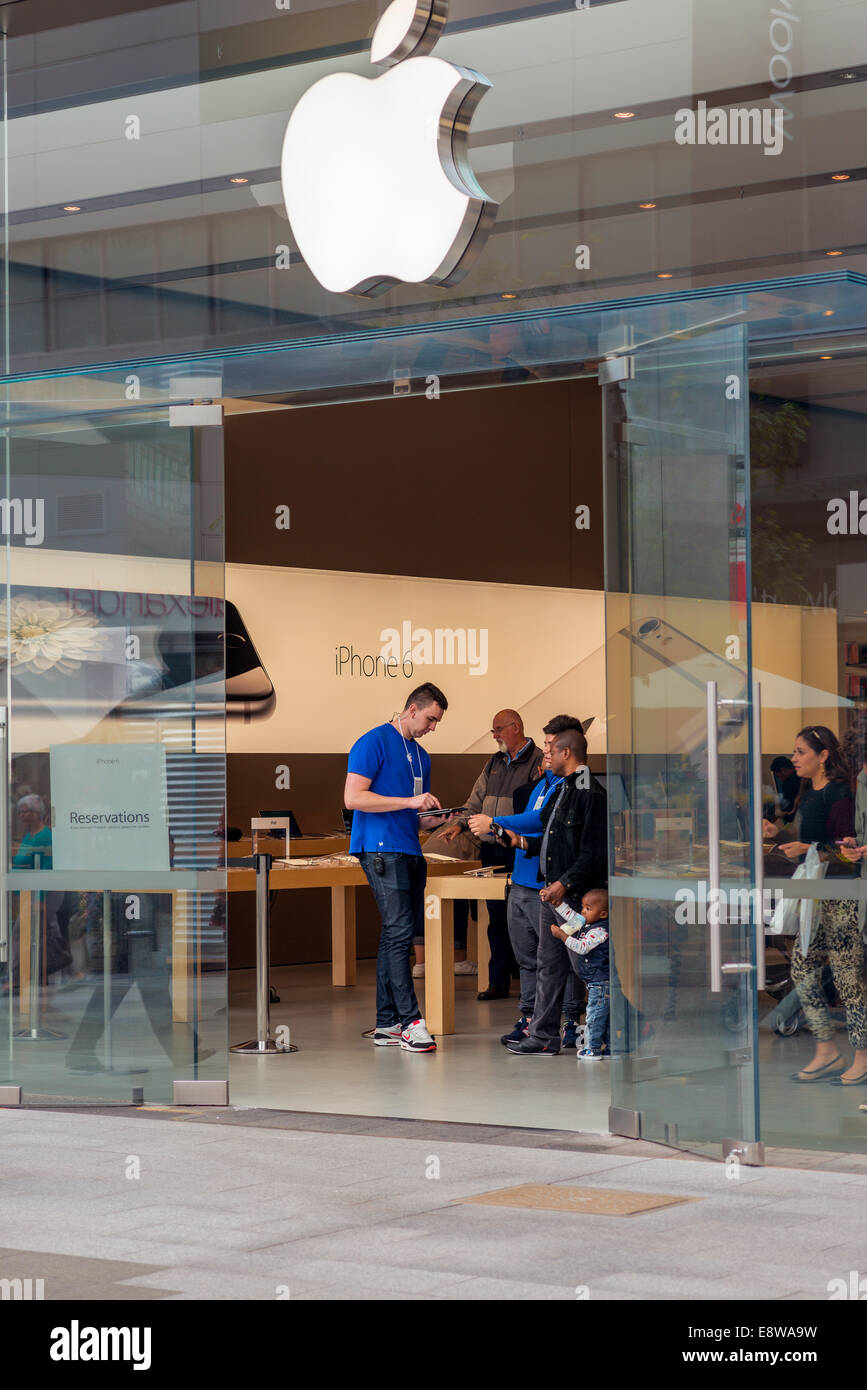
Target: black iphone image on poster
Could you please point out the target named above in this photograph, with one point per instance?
(106, 653)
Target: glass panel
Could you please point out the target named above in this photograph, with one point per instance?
(676, 623)
(112, 644)
(808, 427)
(143, 155)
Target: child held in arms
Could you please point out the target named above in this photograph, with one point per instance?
(585, 934)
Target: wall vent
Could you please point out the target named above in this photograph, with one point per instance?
(80, 513)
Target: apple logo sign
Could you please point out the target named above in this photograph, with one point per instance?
(376, 175)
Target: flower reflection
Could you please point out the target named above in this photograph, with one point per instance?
(40, 636)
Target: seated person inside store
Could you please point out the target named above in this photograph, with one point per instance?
(585, 936)
(36, 839)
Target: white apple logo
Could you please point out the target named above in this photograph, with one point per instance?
(376, 175)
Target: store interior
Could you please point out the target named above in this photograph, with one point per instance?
(455, 514)
(447, 526)
(495, 545)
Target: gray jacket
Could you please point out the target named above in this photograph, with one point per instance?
(495, 787)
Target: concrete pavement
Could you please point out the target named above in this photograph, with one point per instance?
(184, 1204)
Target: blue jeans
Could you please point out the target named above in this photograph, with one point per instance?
(598, 1008)
(399, 895)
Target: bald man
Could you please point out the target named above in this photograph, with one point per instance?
(517, 761)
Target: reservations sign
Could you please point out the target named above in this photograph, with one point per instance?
(109, 806)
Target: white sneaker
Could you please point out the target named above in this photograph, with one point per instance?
(387, 1037)
(466, 967)
(418, 972)
(416, 1038)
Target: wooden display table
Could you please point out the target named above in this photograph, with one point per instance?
(304, 845)
(343, 880)
(439, 941)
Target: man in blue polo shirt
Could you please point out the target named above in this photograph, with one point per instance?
(387, 786)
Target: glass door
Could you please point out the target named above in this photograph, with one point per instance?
(686, 910)
(112, 656)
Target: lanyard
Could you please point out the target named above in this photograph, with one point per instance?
(417, 782)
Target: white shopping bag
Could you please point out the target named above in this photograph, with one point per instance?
(796, 914)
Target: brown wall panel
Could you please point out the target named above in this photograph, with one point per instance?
(479, 485)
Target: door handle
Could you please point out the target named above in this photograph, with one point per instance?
(758, 838)
(717, 969)
(713, 847)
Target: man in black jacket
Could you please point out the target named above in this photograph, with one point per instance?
(573, 858)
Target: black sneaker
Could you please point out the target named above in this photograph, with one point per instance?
(518, 1033)
(570, 1035)
(533, 1047)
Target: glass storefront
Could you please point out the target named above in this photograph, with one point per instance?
(689, 410)
(670, 308)
(113, 653)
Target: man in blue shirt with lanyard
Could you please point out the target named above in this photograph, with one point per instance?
(387, 786)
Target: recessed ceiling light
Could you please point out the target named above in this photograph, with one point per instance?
(508, 296)
(833, 253)
(848, 76)
(839, 178)
(828, 313)
(239, 180)
(826, 357)
(71, 207)
(624, 115)
(664, 275)
(647, 205)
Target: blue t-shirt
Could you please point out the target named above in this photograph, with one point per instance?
(529, 822)
(381, 755)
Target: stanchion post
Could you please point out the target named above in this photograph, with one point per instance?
(106, 976)
(263, 948)
(263, 1044)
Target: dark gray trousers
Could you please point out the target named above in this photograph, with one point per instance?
(524, 915)
(552, 975)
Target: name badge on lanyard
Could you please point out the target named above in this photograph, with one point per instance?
(417, 780)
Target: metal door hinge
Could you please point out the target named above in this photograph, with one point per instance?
(746, 1151)
(202, 396)
(616, 369)
(625, 1122)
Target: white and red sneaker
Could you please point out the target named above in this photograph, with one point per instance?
(416, 1038)
(387, 1037)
